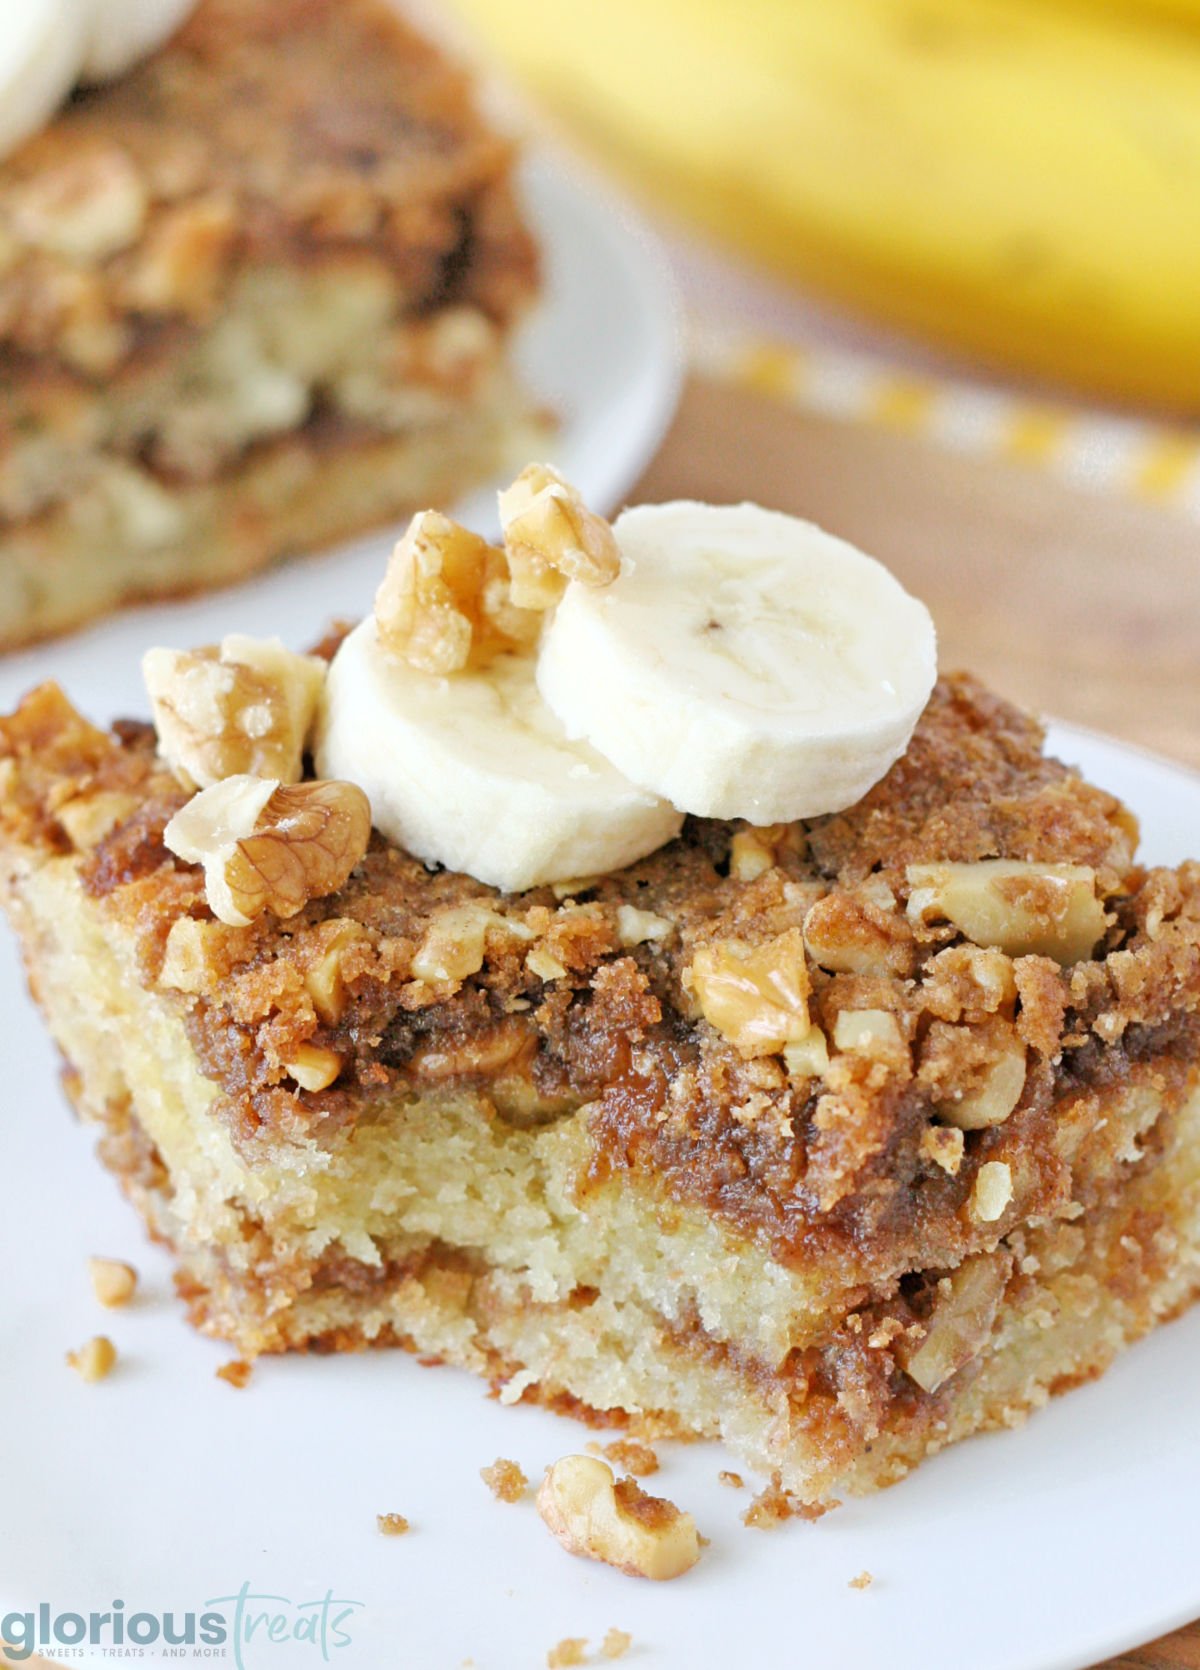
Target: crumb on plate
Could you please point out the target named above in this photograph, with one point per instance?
(504, 1479)
(94, 1361)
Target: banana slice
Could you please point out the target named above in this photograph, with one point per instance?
(121, 32)
(40, 46)
(474, 771)
(745, 664)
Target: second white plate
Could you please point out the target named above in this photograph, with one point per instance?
(602, 351)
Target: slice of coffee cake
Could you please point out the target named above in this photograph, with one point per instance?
(840, 1139)
(256, 295)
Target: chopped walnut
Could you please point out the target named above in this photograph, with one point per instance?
(550, 537)
(392, 1524)
(752, 852)
(267, 846)
(184, 260)
(993, 1191)
(808, 1057)
(974, 1074)
(456, 940)
(1025, 909)
(245, 708)
(542, 962)
(570, 1651)
(236, 1373)
(874, 1032)
(95, 1360)
(88, 818)
(593, 1516)
(113, 1282)
(857, 933)
(944, 1146)
(961, 1321)
(323, 979)
(505, 1480)
(444, 603)
(756, 997)
(313, 1067)
(616, 1643)
(635, 927)
(87, 207)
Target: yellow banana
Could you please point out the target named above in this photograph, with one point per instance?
(1018, 180)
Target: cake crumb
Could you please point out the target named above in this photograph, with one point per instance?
(774, 1505)
(236, 1373)
(113, 1281)
(504, 1479)
(93, 1361)
(392, 1524)
(631, 1455)
(735, 1481)
(570, 1650)
(616, 1643)
(864, 1580)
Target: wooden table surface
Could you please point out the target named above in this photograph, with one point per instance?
(1085, 607)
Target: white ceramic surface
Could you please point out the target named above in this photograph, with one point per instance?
(602, 351)
(1042, 1549)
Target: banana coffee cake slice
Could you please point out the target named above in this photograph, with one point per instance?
(840, 1139)
(256, 295)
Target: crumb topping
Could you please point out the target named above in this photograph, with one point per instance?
(505, 1480)
(931, 1069)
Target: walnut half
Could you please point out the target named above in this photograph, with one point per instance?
(616, 1522)
(267, 846)
(247, 707)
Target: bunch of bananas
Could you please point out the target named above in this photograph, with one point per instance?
(1017, 180)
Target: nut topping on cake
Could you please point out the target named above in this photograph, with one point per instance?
(267, 846)
(1044, 910)
(550, 537)
(247, 707)
(756, 997)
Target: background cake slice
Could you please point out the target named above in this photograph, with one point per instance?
(502, 1129)
(256, 295)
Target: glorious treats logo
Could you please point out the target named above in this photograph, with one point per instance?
(243, 1629)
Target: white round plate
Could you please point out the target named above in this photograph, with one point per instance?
(602, 352)
(1040, 1549)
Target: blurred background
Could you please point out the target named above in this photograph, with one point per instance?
(941, 268)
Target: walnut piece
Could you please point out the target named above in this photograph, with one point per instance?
(246, 707)
(113, 1282)
(455, 941)
(988, 1095)
(313, 1067)
(961, 1321)
(599, 1519)
(1025, 909)
(444, 604)
(95, 1360)
(550, 537)
(756, 997)
(874, 1032)
(635, 927)
(86, 208)
(567, 1653)
(267, 846)
(944, 1146)
(993, 1191)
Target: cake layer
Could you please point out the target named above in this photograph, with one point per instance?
(296, 493)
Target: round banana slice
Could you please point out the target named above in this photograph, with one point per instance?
(475, 772)
(121, 32)
(745, 664)
(40, 46)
